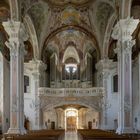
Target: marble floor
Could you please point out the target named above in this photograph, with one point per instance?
(71, 136)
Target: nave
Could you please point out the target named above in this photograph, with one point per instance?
(67, 65)
(71, 136)
(80, 134)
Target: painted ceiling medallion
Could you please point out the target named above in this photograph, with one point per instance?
(70, 16)
(61, 2)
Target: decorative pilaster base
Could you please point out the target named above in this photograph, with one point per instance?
(124, 130)
(103, 127)
(16, 131)
(13, 131)
(23, 131)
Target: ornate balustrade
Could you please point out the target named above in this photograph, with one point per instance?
(71, 92)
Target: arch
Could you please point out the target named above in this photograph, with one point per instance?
(31, 29)
(14, 9)
(88, 45)
(108, 2)
(71, 52)
(53, 45)
(66, 27)
(82, 103)
(38, 21)
(104, 9)
(107, 36)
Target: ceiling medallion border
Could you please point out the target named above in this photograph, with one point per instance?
(75, 4)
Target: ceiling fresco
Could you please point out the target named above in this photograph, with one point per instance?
(47, 18)
(63, 2)
(39, 15)
(69, 38)
(50, 16)
(70, 16)
(103, 14)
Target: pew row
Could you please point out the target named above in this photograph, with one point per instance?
(37, 135)
(98, 134)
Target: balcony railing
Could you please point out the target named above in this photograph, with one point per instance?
(71, 92)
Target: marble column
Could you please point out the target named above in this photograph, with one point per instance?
(103, 68)
(17, 36)
(38, 74)
(122, 32)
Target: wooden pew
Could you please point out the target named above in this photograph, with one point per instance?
(1, 136)
(37, 135)
(101, 135)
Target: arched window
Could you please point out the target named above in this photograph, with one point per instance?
(26, 84)
(115, 83)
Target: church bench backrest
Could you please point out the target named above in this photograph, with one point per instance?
(38, 134)
(101, 135)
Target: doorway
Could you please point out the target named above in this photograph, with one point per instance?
(71, 119)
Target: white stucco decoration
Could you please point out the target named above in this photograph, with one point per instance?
(124, 29)
(16, 30)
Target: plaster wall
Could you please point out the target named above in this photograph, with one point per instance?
(92, 116)
(112, 102)
(50, 116)
(4, 93)
(136, 93)
(29, 101)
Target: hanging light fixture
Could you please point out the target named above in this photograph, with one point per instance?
(71, 68)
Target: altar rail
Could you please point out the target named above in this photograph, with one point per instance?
(71, 92)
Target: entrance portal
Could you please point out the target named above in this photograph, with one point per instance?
(71, 119)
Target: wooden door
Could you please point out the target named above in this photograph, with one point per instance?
(71, 123)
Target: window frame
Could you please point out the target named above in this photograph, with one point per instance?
(113, 91)
(29, 90)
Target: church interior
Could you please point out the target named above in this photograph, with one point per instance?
(69, 69)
